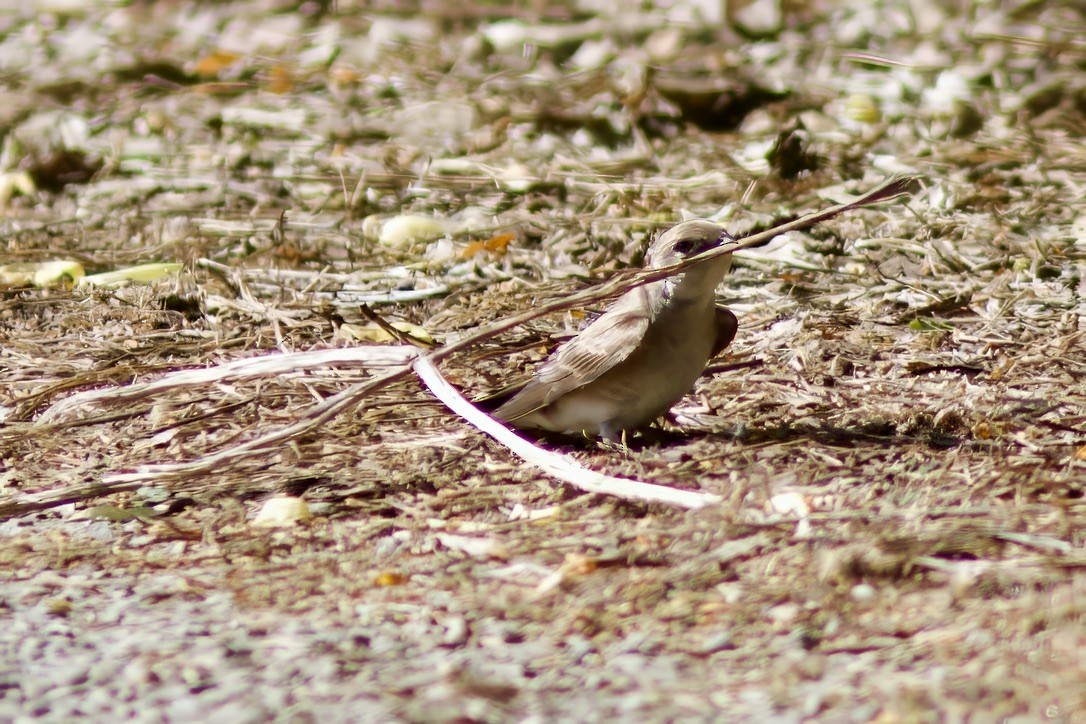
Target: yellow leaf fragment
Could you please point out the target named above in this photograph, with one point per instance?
(280, 80)
(12, 182)
(141, 274)
(40, 274)
(580, 564)
(390, 578)
(58, 607)
(343, 75)
(373, 333)
(985, 430)
(497, 245)
(862, 108)
(214, 63)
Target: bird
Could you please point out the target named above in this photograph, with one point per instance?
(642, 355)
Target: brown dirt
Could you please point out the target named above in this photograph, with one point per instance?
(898, 433)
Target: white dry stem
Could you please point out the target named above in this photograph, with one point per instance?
(558, 466)
(263, 366)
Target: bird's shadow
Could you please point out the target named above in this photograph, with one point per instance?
(883, 434)
(651, 438)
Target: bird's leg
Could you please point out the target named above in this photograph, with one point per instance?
(613, 439)
(672, 420)
(610, 433)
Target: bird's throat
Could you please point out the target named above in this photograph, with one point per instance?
(697, 283)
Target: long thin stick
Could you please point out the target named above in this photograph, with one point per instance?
(893, 187)
(620, 283)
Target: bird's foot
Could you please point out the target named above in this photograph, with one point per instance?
(613, 441)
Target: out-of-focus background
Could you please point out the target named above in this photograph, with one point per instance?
(898, 432)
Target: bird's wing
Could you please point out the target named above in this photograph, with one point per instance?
(726, 327)
(598, 348)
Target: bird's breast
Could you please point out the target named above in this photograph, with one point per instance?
(678, 343)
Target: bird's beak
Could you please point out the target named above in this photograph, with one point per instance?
(721, 240)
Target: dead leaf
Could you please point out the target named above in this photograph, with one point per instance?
(390, 578)
(496, 245)
(280, 80)
(214, 63)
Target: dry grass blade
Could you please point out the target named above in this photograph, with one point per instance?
(273, 364)
(313, 418)
(401, 357)
(397, 334)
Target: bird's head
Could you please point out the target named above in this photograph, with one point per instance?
(685, 240)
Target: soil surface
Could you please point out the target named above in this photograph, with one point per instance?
(894, 446)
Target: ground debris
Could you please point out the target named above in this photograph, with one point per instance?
(894, 445)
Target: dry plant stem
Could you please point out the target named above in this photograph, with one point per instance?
(272, 364)
(353, 395)
(315, 417)
(195, 469)
(620, 283)
(889, 189)
(75, 494)
(559, 466)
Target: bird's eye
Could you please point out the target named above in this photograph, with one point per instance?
(684, 246)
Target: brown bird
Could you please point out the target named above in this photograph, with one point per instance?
(642, 355)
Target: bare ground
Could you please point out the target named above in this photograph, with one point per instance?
(898, 433)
